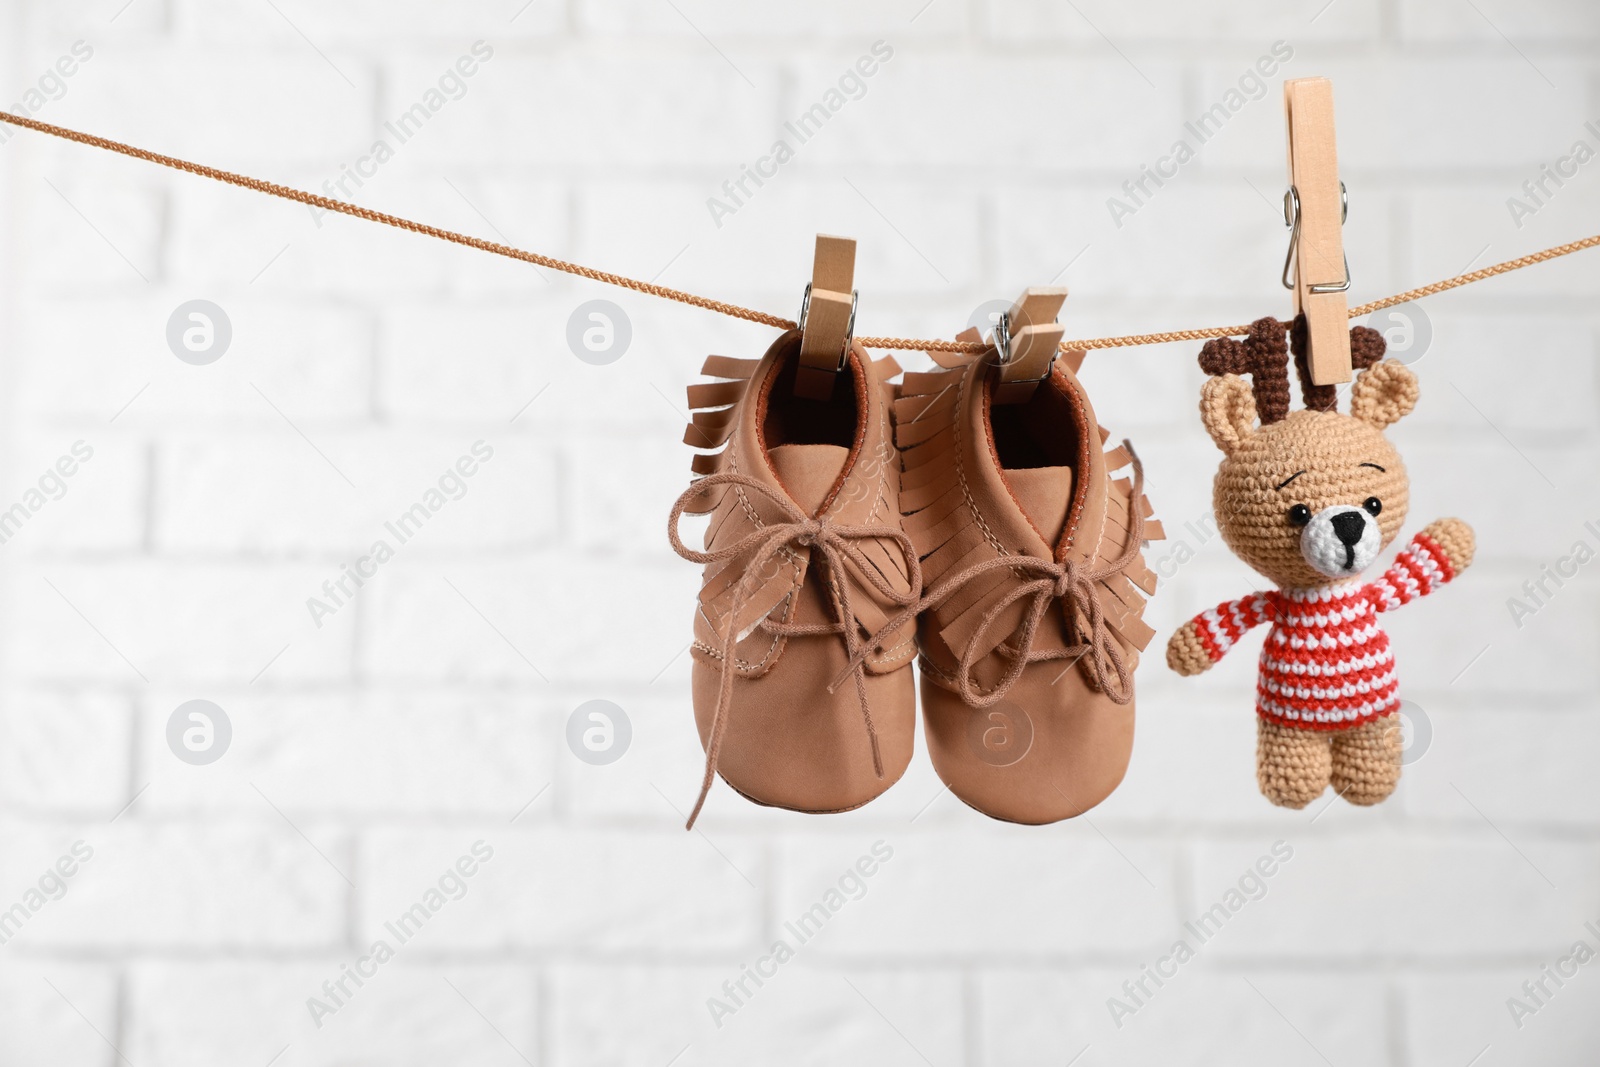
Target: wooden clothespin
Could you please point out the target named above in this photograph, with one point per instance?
(827, 317)
(1025, 340)
(1314, 208)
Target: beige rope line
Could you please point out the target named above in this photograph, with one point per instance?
(329, 204)
(1131, 340)
(733, 310)
(1477, 275)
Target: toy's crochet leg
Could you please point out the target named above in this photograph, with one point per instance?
(1293, 766)
(1366, 760)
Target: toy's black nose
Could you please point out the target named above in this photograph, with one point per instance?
(1350, 526)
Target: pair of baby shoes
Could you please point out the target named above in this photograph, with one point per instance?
(944, 520)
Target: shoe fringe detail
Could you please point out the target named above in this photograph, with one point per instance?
(714, 408)
(754, 583)
(764, 545)
(996, 598)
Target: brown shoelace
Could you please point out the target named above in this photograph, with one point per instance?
(765, 545)
(1049, 582)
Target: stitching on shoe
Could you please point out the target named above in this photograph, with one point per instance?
(961, 470)
(740, 663)
(888, 656)
(945, 680)
(885, 438)
(738, 490)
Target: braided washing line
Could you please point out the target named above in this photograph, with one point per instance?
(325, 203)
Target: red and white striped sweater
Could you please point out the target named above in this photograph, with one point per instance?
(1326, 664)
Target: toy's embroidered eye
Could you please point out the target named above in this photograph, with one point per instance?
(1373, 506)
(1299, 515)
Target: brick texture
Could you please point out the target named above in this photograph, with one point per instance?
(376, 738)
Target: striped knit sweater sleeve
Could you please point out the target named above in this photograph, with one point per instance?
(1417, 571)
(1220, 628)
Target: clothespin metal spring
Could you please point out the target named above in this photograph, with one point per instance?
(1291, 219)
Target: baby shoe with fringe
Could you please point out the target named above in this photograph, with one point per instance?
(1031, 627)
(799, 706)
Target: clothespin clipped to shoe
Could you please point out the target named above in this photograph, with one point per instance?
(827, 317)
(1025, 340)
(1314, 208)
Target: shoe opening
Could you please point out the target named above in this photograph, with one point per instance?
(1037, 443)
(808, 442)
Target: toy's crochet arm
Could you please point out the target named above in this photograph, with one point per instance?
(1434, 557)
(1206, 638)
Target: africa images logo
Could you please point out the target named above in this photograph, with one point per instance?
(451, 885)
(850, 85)
(850, 885)
(452, 485)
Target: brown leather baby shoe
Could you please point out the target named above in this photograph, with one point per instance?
(804, 559)
(1031, 627)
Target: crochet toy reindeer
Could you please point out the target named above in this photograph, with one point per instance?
(1309, 499)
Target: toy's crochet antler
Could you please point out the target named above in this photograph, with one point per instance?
(1367, 347)
(1264, 355)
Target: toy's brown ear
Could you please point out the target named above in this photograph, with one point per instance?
(1228, 409)
(1384, 393)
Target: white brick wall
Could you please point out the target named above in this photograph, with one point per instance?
(430, 711)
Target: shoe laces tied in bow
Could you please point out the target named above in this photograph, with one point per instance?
(835, 543)
(1046, 582)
